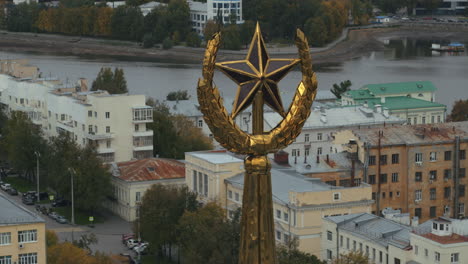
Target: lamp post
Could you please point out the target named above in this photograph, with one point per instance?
(38, 155)
(72, 173)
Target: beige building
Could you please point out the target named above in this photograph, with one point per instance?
(116, 124)
(300, 202)
(131, 179)
(22, 235)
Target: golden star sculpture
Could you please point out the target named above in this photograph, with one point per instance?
(257, 77)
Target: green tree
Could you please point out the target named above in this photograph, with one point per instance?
(246, 32)
(231, 37)
(459, 111)
(193, 40)
(178, 96)
(167, 43)
(390, 6)
(316, 31)
(127, 23)
(207, 236)
(290, 254)
(210, 29)
(179, 18)
(343, 87)
(351, 258)
(112, 82)
(161, 208)
(75, 3)
(22, 17)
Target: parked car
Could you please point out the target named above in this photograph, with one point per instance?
(141, 248)
(61, 219)
(28, 201)
(31, 194)
(132, 243)
(5, 186)
(12, 191)
(60, 202)
(53, 215)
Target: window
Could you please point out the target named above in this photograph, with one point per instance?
(236, 196)
(371, 179)
(448, 155)
(200, 182)
(367, 250)
(278, 214)
(397, 194)
(90, 113)
(373, 254)
(383, 159)
(418, 157)
(416, 250)
(295, 152)
(424, 120)
(95, 129)
(341, 241)
(432, 175)
(230, 194)
(432, 193)
(360, 247)
(418, 212)
(29, 258)
(461, 190)
(447, 192)
(437, 257)
(278, 235)
(27, 236)
(447, 174)
(107, 115)
(108, 143)
(397, 261)
(454, 258)
(286, 238)
(432, 211)
(200, 123)
(330, 235)
(415, 120)
(354, 245)
(383, 195)
(462, 154)
(461, 208)
(380, 257)
(433, 119)
(319, 136)
(306, 137)
(433, 156)
(137, 196)
(319, 151)
(395, 158)
(286, 217)
(107, 129)
(195, 185)
(5, 238)
(418, 195)
(347, 243)
(83, 127)
(371, 160)
(426, 252)
(438, 119)
(462, 173)
(418, 176)
(336, 196)
(329, 254)
(205, 181)
(390, 194)
(383, 178)
(307, 151)
(5, 260)
(373, 196)
(395, 177)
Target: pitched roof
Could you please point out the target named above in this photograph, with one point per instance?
(149, 169)
(14, 214)
(403, 102)
(400, 87)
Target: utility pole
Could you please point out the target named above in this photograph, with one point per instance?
(72, 173)
(38, 155)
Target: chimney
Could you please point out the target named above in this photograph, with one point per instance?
(382, 100)
(378, 108)
(415, 221)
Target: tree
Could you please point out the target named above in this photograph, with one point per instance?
(207, 236)
(127, 22)
(390, 6)
(22, 17)
(68, 253)
(459, 111)
(193, 40)
(316, 31)
(178, 96)
(161, 208)
(112, 82)
(338, 90)
(246, 32)
(85, 241)
(231, 37)
(290, 254)
(351, 258)
(210, 29)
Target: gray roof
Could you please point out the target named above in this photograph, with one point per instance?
(15, 214)
(337, 117)
(287, 180)
(336, 162)
(373, 228)
(215, 157)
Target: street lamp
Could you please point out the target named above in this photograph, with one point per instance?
(72, 173)
(38, 155)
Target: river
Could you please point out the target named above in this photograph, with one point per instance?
(402, 60)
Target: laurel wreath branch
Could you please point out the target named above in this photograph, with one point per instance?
(222, 125)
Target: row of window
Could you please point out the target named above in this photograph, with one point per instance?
(383, 159)
(297, 152)
(236, 196)
(23, 237)
(28, 258)
(423, 120)
(372, 160)
(390, 195)
(454, 257)
(282, 215)
(418, 176)
(280, 236)
(383, 178)
(226, 5)
(433, 210)
(433, 193)
(200, 183)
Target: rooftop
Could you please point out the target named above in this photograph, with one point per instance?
(402, 102)
(400, 87)
(215, 157)
(377, 229)
(414, 134)
(459, 229)
(14, 214)
(149, 169)
(327, 163)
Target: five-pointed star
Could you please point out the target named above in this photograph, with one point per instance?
(257, 73)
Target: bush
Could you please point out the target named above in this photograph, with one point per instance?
(193, 40)
(167, 43)
(148, 41)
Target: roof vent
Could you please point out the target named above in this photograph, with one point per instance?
(383, 88)
(419, 86)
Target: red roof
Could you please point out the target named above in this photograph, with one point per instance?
(454, 238)
(151, 169)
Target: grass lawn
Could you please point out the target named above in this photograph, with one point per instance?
(81, 218)
(21, 184)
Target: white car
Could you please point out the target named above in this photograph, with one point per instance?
(132, 243)
(5, 186)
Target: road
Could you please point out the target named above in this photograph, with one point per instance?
(108, 233)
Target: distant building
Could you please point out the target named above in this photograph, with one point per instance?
(382, 19)
(148, 7)
(22, 234)
(227, 10)
(299, 202)
(446, 7)
(131, 179)
(411, 101)
(420, 169)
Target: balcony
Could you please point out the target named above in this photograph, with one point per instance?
(146, 133)
(142, 148)
(142, 114)
(105, 150)
(94, 136)
(65, 125)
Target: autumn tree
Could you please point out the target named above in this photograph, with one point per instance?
(127, 23)
(210, 29)
(351, 258)
(340, 89)
(290, 254)
(316, 31)
(459, 111)
(68, 253)
(112, 82)
(161, 208)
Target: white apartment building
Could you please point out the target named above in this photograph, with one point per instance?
(227, 10)
(115, 124)
(318, 132)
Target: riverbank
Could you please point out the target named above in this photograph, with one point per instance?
(358, 42)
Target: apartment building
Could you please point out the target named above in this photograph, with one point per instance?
(227, 10)
(411, 101)
(316, 138)
(299, 202)
(115, 124)
(420, 169)
(22, 234)
(131, 179)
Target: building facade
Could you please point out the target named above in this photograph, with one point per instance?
(131, 179)
(420, 169)
(22, 234)
(229, 11)
(88, 117)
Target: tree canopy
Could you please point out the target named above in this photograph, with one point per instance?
(178, 96)
(112, 82)
(340, 89)
(459, 111)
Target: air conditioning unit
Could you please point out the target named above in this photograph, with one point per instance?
(21, 245)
